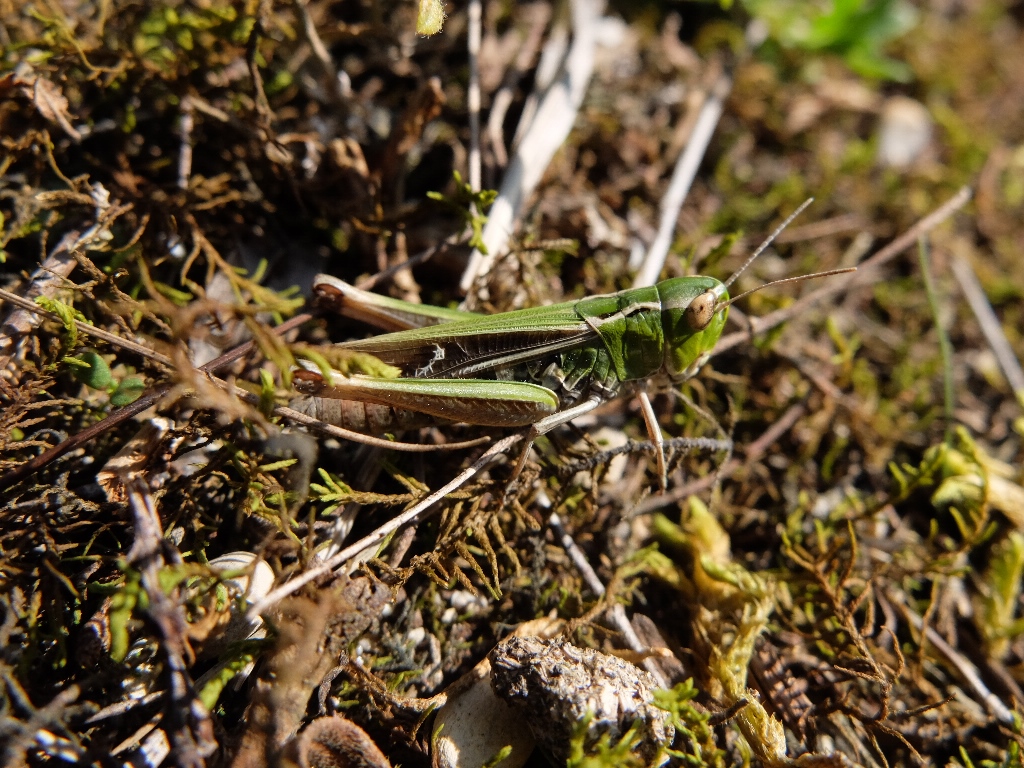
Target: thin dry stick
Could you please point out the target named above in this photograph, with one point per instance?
(87, 330)
(475, 20)
(186, 125)
(682, 177)
(379, 535)
(617, 612)
(550, 64)
(843, 222)
(990, 326)
(377, 277)
(863, 277)
(201, 105)
(129, 411)
(687, 165)
(320, 51)
(966, 669)
(537, 19)
(554, 118)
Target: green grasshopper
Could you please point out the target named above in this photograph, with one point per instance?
(538, 367)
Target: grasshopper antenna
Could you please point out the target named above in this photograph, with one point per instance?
(763, 246)
(798, 279)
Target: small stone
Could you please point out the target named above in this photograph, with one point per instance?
(556, 685)
(474, 726)
(904, 133)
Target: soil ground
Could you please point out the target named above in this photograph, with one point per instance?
(842, 586)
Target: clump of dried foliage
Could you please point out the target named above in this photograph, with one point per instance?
(844, 585)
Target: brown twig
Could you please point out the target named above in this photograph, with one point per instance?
(188, 721)
(380, 534)
(865, 273)
(88, 330)
(556, 113)
(123, 414)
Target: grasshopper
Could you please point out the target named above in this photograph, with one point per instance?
(536, 368)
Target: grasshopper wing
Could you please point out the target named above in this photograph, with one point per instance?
(469, 348)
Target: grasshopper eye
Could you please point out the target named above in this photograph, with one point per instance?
(701, 310)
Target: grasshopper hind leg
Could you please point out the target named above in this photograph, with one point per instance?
(544, 426)
(556, 419)
(548, 423)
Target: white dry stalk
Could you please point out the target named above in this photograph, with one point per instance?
(536, 23)
(186, 124)
(617, 613)
(556, 112)
(990, 326)
(474, 32)
(682, 178)
(687, 166)
(552, 59)
(963, 665)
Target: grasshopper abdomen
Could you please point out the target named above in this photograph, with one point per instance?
(368, 418)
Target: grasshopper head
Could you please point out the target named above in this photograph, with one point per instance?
(692, 321)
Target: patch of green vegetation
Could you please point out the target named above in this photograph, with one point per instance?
(693, 731)
(859, 31)
(471, 205)
(605, 753)
(169, 34)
